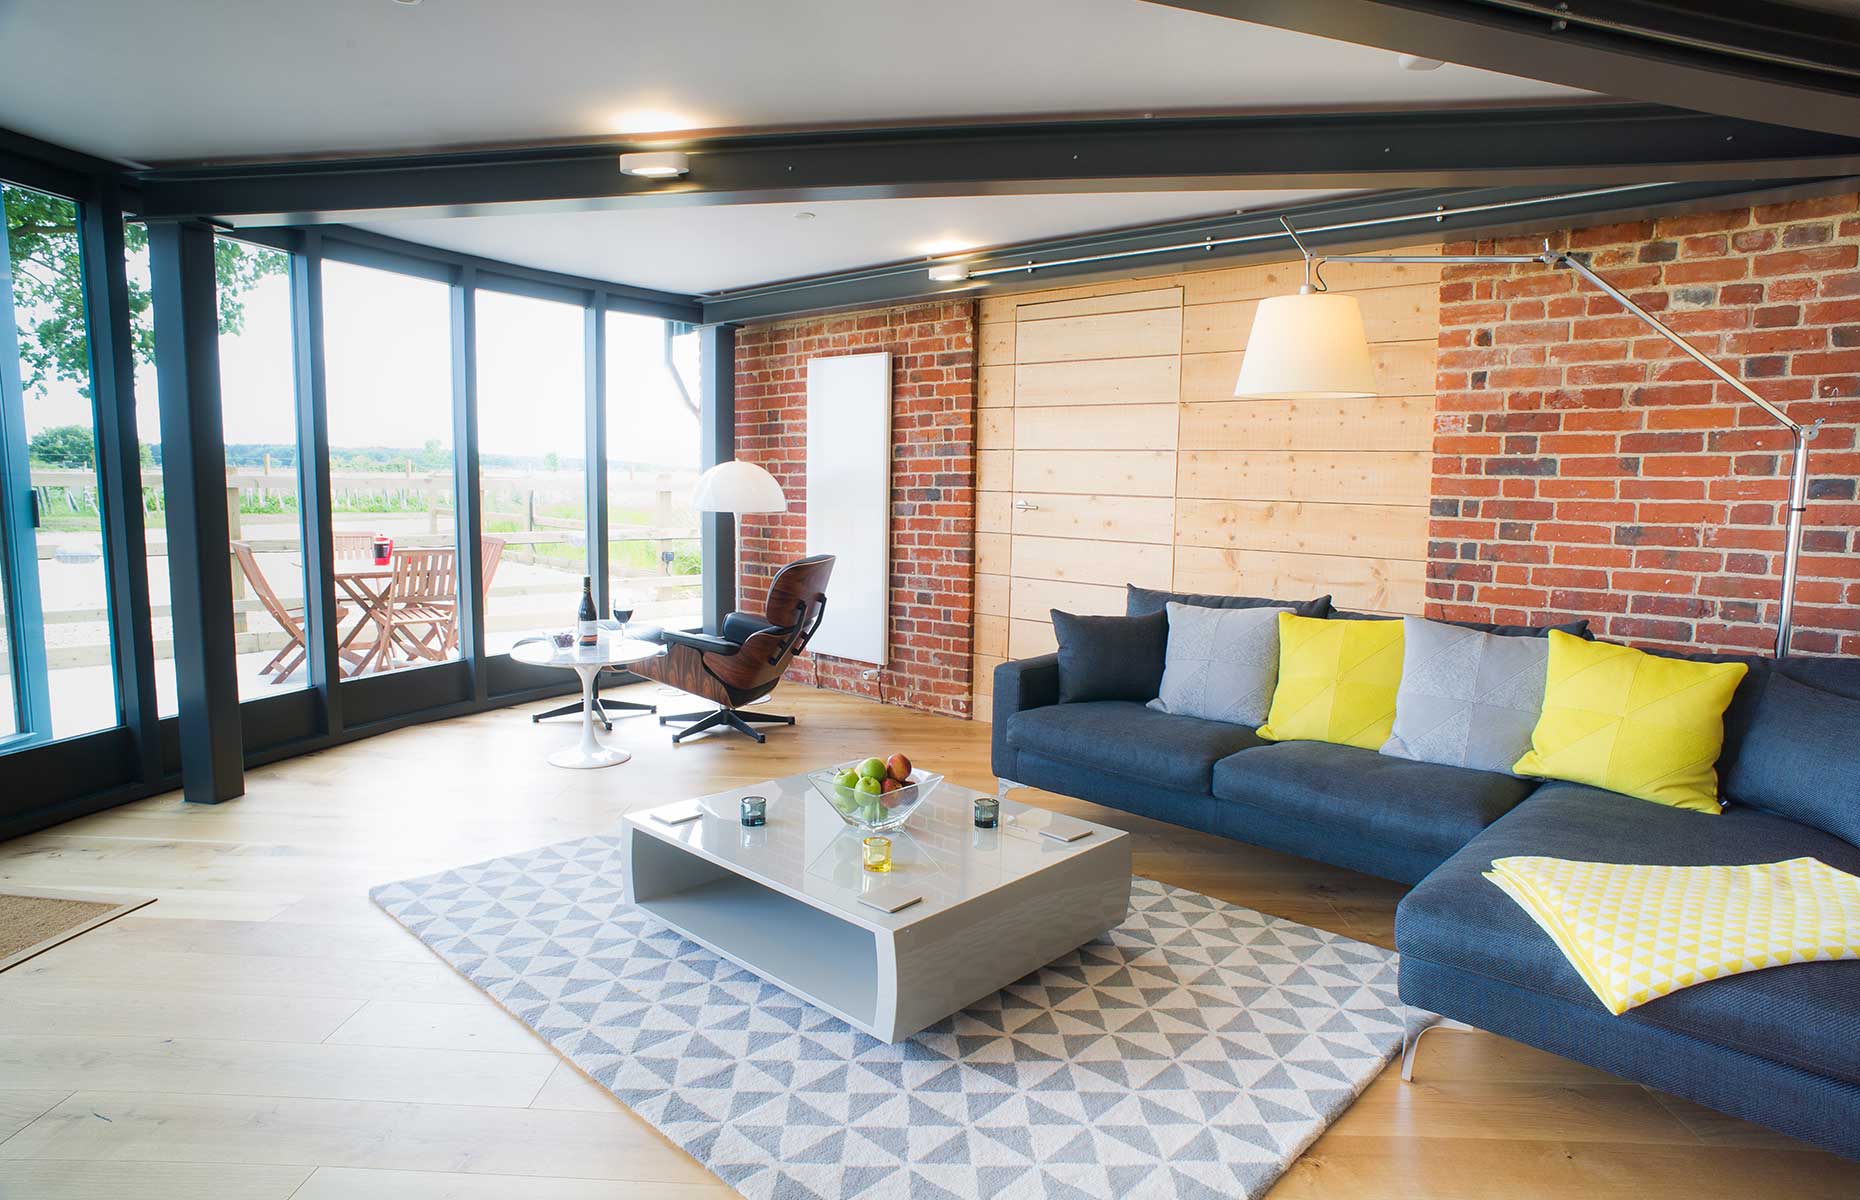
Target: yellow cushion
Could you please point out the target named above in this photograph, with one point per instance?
(1337, 682)
(1636, 933)
(1632, 722)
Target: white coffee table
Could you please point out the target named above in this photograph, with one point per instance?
(588, 662)
(783, 900)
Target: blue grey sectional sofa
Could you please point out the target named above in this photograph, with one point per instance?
(1780, 1047)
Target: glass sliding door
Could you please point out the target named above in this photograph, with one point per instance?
(59, 660)
(388, 361)
(655, 555)
(258, 413)
(532, 456)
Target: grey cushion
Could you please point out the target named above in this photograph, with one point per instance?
(1122, 738)
(1139, 600)
(1801, 757)
(1803, 1014)
(1110, 658)
(1467, 699)
(1361, 794)
(1221, 664)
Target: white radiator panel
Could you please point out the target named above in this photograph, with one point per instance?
(849, 499)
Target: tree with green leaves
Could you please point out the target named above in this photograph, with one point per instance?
(63, 446)
(48, 289)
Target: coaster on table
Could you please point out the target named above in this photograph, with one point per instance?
(680, 815)
(889, 899)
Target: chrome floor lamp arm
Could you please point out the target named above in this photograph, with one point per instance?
(1799, 433)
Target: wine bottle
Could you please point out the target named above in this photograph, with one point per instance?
(587, 621)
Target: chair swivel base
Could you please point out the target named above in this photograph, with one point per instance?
(600, 711)
(724, 718)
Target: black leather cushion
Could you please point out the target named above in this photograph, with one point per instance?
(1803, 1014)
(1361, 794)
(1139, 601)
(1122, 737)
(739, 627)
(1110, 658)
(1801, 757)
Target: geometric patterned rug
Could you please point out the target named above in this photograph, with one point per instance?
(1194, 1051)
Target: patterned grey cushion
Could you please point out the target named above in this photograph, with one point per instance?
(1467, 699)
(1221, 664)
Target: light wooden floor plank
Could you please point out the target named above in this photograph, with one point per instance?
(37, 1006)
(440, 1027)
(350, 1183)
(149, 1181)
(326, 1071)
(168, 1127)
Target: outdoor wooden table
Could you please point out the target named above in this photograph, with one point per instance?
(366, 586)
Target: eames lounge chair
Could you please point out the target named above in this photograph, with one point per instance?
(744, 661)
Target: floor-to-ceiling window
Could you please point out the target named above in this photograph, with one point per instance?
(388, 353)
(258, 416)
(532, 463)
(59, 678)
(655, 558)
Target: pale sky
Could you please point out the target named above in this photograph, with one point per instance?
(388, 357)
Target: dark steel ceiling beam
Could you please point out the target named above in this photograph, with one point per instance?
(1483, 212)
(1568, 145)
(1758, 60)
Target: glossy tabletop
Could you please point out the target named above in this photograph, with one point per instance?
(610, 651)
(806, 851)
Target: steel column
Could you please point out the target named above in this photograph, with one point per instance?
(465, 477)
(119, 467)
(717, 443)
(321, 623)
(193, 445)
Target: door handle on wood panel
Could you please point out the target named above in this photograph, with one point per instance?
(1025, 506)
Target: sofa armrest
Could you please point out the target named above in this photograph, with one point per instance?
(1023, 684)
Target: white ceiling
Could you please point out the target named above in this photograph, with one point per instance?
(711, 248)
(146, 81)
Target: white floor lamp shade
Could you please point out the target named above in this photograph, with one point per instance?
(1308, 346)
(739, 487)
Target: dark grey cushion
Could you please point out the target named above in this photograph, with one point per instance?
(1124, 738)
(1359, 793)
(1803, 1014)
(1110, 658)
(1801, 758)
(1139, 600)
(1577, 628)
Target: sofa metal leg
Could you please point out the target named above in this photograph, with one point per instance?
(1003, 786)
(1410, 1042)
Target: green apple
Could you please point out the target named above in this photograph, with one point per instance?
(869, 786)
(847, 779)
(873, 769)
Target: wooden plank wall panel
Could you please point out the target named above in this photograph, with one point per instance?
(1112, 450)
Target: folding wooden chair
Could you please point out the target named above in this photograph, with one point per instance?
(418, 613)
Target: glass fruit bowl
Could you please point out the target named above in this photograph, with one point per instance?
(867, 811)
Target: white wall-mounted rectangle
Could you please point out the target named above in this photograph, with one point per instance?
(849, 499)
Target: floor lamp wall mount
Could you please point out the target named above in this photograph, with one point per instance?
(1316, 347)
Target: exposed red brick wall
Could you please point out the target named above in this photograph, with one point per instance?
(1584, 467)
(932, 487)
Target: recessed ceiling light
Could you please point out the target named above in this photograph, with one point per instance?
(1414, 62)
(655, 164)
(949, 273)
(653, 120)
(406, 3)
(804, 215)
(944, 245)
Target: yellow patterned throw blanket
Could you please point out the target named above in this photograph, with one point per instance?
(1635, 933)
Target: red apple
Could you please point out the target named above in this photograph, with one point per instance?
(898, 767)
(888, 785)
